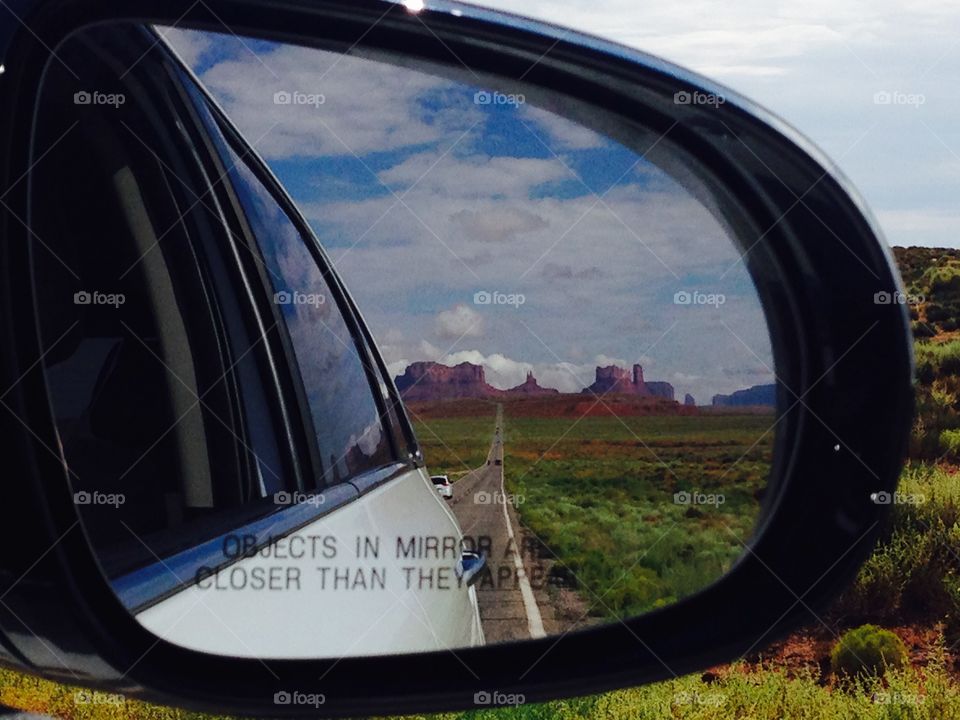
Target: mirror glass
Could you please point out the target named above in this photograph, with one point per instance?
(349, 358)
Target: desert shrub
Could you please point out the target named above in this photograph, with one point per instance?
(950, 443)
(938, 359)
(912, 574)
(867, 651)
(943, 279)
(936, 411)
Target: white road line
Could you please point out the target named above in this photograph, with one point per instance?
(534, 619)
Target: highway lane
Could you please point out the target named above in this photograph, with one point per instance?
(508, 606)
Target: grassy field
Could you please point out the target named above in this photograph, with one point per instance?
(455, 445)
(605, 495)
(741, 693)
(642, 510)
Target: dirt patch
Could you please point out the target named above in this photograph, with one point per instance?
(808, 650)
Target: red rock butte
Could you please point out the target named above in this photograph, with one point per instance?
(425, 381)
(617, 380)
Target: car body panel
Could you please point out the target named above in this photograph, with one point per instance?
(372, 610)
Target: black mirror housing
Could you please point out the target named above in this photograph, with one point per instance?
(816, 256)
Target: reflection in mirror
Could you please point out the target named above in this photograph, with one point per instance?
(557, 407)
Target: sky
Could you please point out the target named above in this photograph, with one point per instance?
(425, 196)
(818, 64)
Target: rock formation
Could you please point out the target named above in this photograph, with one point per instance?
(688, 400)
(428, 381)
(530, 386)
(433, 381)
(613, 379)
(660, 389)
(756, 395)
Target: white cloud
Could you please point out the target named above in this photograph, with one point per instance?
(460, 322)
(361, 110)
(502, 226)
(477, 176)
(558, 133)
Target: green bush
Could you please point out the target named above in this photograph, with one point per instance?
(867, 651)
(950, 443)
(935, 412)
(943, 279)
(937, 359)
(911, 574)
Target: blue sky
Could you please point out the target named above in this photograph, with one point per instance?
(424, 196)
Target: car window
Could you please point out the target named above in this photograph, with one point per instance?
(163, 406)
(350, 435)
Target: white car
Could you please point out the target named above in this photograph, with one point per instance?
(234, 436)
(443, 485)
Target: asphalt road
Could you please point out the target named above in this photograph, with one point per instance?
(508, 607)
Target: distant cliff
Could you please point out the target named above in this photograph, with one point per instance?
(756, 395)
(530, 386)
(660, 389)
(433, 381)
(429, 381)
(618, 380)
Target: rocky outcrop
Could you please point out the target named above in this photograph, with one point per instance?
(613, 379)
(425, 381)
(752, 396)
(433, 381)
(429, 381)
(659, 389)
(689, 401)
(530, 387)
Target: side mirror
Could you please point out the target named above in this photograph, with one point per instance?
(220, 493)
(470, 566)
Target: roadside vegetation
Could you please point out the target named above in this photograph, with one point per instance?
(454, 445)
(638, 511)
(764, 693)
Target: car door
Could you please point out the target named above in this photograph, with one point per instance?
(230, 430)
